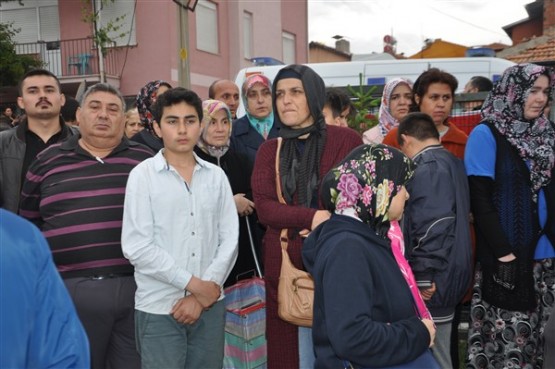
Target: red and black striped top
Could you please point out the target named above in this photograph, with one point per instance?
(77, 200)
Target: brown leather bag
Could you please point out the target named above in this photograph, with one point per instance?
(295, 287)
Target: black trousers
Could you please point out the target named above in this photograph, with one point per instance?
(106, 308)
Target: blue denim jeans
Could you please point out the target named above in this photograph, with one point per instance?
(306, 348)
(165, 343)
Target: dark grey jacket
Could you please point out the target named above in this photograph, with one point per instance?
(437, 229)
(12, 153)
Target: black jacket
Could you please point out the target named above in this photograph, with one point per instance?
(437, 229)
(12, 153)
(246, 140)
(364, 311)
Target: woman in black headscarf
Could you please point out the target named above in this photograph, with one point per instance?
(309, 150)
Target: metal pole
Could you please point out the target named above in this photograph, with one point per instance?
(184, 68)
(253, 247)
(99, 47)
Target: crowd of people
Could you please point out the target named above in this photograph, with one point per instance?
(142, 215)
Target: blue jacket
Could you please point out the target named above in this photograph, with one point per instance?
(245, 139)
(437, 229)
(40, 328)
(364, 311)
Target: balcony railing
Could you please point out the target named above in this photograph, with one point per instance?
(73, 58)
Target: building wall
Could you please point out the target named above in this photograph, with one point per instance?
(527, 30)
(441, 49)
(155, 57)
(295, 21)
(319, 55)
(268, 24)
(549, 17)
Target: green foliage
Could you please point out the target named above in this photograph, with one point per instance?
(12, 65)
(103, 37)
(364, 102)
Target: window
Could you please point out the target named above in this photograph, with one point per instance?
(207, 26)
(119, 14)
(247, 35)
(289, 55)
(36, 21)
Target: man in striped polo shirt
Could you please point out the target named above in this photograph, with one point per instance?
(74, 192)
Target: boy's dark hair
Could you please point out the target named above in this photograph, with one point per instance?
(482, 84)
(37, 72)
(432, 75)
(69, 109)
(338, 102)
(418, 125)
(175, 96)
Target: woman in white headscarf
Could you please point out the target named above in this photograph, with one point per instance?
(396, 101)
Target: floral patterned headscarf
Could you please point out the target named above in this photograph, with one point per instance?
(533, 139)
(385, 120)
(145, 99)
(364, 183)
(209, 110)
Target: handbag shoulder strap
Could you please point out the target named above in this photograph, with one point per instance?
(283, 235)
(278, 175)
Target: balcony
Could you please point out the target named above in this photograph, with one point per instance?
(74, 61)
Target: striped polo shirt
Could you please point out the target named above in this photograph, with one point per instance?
(76, 199)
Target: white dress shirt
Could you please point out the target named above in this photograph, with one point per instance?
(173, 230)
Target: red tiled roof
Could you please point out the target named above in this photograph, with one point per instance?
(539, 53)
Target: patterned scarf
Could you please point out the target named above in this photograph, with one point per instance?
(209, 110)
(365, 182)
(262, 125)
(145, 99)
(533, 139)
(386, 121)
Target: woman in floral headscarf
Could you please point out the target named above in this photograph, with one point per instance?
(396, 101)
(510, 161)
(250, 131)
(367, 308)
(145, 99)
(213, 146)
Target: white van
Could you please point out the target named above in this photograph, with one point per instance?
(379, 72)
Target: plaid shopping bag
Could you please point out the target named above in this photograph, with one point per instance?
(245, 325)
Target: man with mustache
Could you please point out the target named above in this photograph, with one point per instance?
(40, 95)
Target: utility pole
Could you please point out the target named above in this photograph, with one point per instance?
(184, 74)
(97, 20)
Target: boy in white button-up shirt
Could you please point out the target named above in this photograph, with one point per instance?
(180, 231)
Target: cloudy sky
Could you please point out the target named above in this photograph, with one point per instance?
(365, 22)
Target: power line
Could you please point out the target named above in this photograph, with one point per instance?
(466, 22)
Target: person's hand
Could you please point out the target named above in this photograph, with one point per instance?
(206, 292)
(244, 205)
(507, 258)
(304, 233)
(431, 329)
(428, 292)
(187, 310)
(319, 217)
